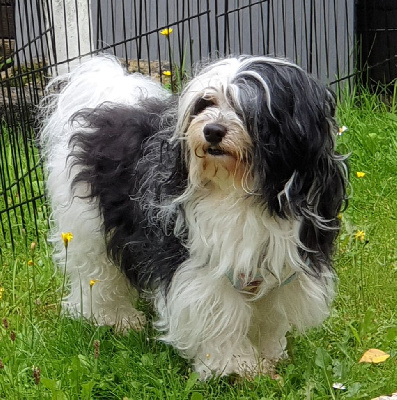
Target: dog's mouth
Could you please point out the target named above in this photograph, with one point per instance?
(213, 151)
(216, 151)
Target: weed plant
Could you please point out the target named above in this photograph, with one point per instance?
(47, 356)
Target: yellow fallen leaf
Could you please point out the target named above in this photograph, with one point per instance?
(374, 356)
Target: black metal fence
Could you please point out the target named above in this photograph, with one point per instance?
(40, 38)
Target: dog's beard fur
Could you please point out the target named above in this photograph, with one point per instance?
(194, 221)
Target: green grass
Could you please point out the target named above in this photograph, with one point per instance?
(136, 366)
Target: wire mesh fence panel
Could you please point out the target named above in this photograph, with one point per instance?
(318, 35)
(164, 39)
(22, 82)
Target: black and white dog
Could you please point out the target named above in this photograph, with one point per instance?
(220, 204)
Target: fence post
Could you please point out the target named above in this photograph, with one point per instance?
(70, 27)
(7, 32)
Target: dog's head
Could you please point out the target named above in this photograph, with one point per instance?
(265, 126)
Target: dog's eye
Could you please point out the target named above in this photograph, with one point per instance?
(201, 105)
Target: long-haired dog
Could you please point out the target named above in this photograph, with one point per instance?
(221, 204)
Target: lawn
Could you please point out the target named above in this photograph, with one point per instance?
(44, 355)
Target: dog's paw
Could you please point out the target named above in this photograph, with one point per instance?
(243, 367)
(124, 320)
(135, 322)
(248, 367)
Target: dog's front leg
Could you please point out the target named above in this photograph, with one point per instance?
(207, 320)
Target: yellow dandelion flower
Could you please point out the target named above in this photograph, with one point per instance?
(93, 282)
(67, 237)
(339, 216)
(359, 235)
(1, 292)
(360, 174)
(30, 263)
(166, 32)
(342, 129)
(167, 73)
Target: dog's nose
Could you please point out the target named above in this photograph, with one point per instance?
(214, 133)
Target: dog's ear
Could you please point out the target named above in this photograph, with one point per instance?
(296, 168)
(314, 179)
(316, 191)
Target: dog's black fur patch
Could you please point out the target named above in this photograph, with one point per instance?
(126, 158)
(295, 135)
